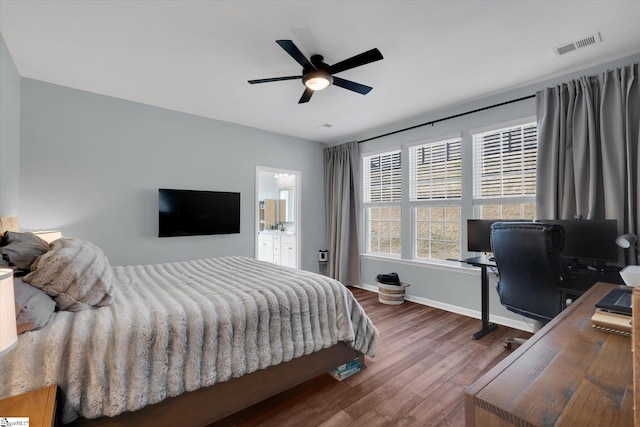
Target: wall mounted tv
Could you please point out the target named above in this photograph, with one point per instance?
(194, 212)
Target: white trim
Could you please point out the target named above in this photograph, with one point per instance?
(443, 138)
(381, 204)
(499, 320)
(509, 124)
(397, 147)
(298, 208)
(435, 202)
(507, 200)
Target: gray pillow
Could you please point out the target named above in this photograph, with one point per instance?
(22, 249)
(76, 273)
(34, 308)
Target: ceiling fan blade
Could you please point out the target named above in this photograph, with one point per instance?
(306, 96)
(356, 61)
(274, 79)
(293, 50)
(348, 84)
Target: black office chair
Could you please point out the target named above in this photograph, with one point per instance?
(530, 269)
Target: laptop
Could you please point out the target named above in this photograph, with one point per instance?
(618, 300)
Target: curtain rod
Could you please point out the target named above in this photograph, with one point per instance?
(448, 118)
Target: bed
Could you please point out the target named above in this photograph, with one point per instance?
(183, 343)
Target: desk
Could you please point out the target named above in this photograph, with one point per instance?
(583, 280)
(567, 374)
(484, 263)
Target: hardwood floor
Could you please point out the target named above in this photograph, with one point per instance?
(425, 361)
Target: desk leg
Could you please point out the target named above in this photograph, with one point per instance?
(486, 326)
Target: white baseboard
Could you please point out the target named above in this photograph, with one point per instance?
(499, 320)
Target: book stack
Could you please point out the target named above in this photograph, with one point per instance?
(344, 371)
(609, 321)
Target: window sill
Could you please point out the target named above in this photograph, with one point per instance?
(459, 267)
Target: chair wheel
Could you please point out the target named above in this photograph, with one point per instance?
(507, 345)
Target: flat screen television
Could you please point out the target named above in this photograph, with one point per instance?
(194, 212)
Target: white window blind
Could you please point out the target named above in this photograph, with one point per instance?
(382, 194)
(382, 177)
(435, 189)
(504, 162)
(435, 171)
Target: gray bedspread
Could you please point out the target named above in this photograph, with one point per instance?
(176, 327)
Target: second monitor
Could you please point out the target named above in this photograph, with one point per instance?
(588, 241)
(592, 242)
(479, 233)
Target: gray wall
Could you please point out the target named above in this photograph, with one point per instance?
(456, 286)
(9, 133)
(92, 166)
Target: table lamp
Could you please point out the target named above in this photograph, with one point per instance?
(48, 235)
(631, 273)
(8, 331)
(625, 241)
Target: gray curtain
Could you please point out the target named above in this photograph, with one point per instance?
(588, 138)
(342, 198)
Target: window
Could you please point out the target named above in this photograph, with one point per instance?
(504, 172)
(435, 189)
(382, 196)
(437, 184)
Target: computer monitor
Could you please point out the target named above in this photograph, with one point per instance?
(589, 241)
(479, 233)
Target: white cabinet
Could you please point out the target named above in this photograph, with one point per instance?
(288, 251)
(278, 248)
(265, 247)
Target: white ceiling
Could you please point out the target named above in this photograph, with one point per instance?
(196, 56)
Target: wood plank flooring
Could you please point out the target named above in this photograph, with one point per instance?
(425, 361)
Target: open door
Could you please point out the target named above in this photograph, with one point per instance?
(278, 216)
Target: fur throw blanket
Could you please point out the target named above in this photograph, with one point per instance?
(180, 326)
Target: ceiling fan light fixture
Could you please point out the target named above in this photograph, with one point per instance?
(317, 75)
(317, 80)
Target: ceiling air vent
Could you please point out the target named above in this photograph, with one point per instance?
(578, 44)
(325, 126)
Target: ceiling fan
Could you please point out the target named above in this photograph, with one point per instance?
(316, 75)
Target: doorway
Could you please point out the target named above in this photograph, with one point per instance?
(278, 208)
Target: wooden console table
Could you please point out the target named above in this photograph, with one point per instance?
(567, 374)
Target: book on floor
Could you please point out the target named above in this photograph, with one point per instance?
(348, 365)
(345, 370)
(344, 374)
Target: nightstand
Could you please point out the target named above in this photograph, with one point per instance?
(39, 405)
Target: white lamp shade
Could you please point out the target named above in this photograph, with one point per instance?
(48, 235)
(631, 275)
(8, 331)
